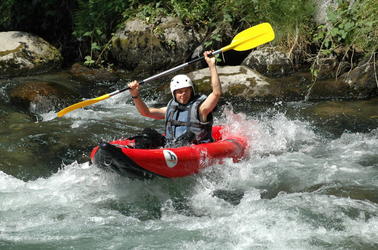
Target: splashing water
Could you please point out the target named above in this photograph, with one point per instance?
(297, 189)
(268, 135)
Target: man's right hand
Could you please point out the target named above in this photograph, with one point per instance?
(134, 88)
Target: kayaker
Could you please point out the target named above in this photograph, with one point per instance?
(188, 117)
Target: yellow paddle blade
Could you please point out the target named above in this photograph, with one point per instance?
(82, 104)
(251, 38)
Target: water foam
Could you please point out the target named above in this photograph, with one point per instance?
(283, 196)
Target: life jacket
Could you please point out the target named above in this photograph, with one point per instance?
(183, 120)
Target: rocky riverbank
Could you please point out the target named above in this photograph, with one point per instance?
(266, 74)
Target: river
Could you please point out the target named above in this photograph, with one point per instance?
(309, 182)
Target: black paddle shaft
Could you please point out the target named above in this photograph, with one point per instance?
(177, 68)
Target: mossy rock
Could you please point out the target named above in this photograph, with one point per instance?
(24, 54)
(150, 47)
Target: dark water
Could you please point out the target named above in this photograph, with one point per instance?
(310, 182)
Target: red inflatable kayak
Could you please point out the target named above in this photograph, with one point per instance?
(117, 156)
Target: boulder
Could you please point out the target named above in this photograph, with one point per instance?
(363, 79)
(359, 83)
(243, 82)
(40, 96)
(82, 73)
(270, 62)
(22, 53)
(151, 47)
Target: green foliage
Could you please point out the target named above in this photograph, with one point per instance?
(286, 16)
(148, 11)
(289, 17)
(6, 12)
(366, 33)
(350, 24)
(91, 23)
(94, 22)
(97, 18)
(195, 13)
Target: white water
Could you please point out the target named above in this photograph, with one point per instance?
(297, 190)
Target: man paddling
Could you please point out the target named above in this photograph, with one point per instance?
(188, 117)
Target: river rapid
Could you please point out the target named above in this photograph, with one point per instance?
(308, 182)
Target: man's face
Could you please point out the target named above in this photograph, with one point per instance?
(183, 95)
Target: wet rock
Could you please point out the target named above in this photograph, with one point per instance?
(83, 73)
(363, 79)
(270, 62)
(331, 68)
(231, 196)
(22, 54)
(39, 96)
(243, 82)
(359, 83)
(150, 47)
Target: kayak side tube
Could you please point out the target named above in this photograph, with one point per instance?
(116, 156)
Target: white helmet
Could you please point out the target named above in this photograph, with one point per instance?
(179, 82)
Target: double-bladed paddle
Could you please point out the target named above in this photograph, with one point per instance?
(245, 40)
